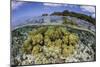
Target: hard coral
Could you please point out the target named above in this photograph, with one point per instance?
(49, 42)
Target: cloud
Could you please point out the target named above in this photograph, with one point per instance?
(15, 5)
(52, 4)
(88, 8)
(93, 15)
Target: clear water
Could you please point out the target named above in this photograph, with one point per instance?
(52, 20)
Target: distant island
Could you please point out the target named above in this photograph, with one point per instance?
(73, 14)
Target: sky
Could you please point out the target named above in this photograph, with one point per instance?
(24, 10)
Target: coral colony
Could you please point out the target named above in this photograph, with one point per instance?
(50, 44)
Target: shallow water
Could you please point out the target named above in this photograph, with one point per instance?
(85, 50)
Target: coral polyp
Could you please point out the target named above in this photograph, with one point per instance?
(48, 44)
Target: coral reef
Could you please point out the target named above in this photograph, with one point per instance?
(50, 44)
(44, 44)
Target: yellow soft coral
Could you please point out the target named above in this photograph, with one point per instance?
(37, 39)
(73, 39)
(47, 44)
